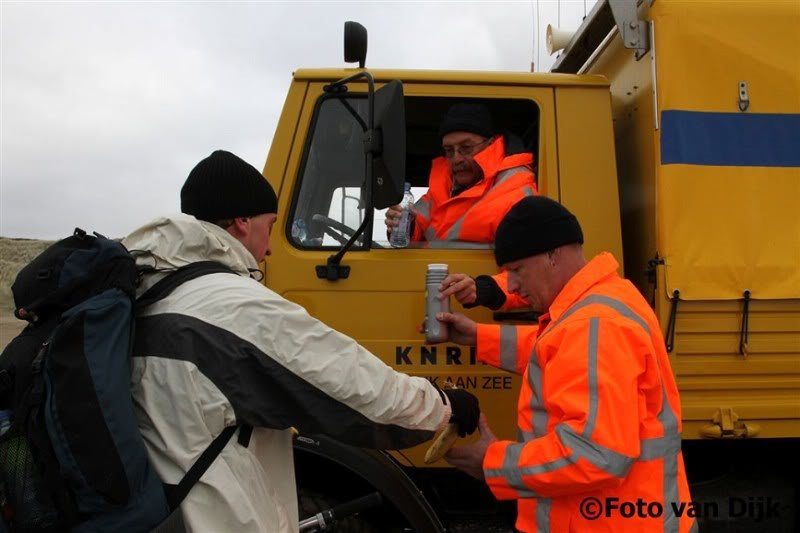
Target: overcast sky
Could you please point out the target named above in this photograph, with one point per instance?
(106, 106)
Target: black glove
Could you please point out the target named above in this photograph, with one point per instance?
(465, 410)
(487, 293)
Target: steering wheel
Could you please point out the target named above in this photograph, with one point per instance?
(340, 232)
(334, 228)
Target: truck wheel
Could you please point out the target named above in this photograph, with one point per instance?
(311, 502)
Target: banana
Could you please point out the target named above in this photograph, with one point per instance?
(442, 443)
(445, 440)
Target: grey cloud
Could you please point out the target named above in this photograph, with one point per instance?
(105, 107)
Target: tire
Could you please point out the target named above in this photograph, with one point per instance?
(310, 502)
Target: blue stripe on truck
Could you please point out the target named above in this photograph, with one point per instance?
(730, 139)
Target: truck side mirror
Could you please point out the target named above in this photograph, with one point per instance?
(355, 43)
(389, 164)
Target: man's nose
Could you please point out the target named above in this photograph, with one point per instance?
(457, 157)
(513, 284)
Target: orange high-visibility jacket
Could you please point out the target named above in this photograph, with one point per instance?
(474, 214)
(599, 414)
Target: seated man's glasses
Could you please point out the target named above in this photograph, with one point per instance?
(464, 150)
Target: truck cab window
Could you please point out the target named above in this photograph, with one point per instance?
(329, 206)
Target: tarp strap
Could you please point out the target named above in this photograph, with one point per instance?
(652, 277)
(745, 324)
(673, 313)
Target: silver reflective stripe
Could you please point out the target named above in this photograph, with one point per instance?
(423, 207)
(430, 233)
(461, 245)
(613, 303)
(607, 460)
(540, 416)
(659, 447)
(543, 515)
(527, 191)
(670, 424)
(455, 229)
(594, 325)
(511, 472)
(508, 348)
(507, 173)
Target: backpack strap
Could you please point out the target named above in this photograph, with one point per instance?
(165, 286)
(177, 493)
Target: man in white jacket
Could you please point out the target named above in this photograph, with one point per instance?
(223, 350)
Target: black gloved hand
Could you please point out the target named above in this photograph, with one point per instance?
(487, 293)
(466, 410)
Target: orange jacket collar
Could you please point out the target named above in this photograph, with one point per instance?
(492, 160)
(600, 267)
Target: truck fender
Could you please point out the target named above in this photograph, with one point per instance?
(378, 469)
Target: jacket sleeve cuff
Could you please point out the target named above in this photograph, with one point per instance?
(488, 293)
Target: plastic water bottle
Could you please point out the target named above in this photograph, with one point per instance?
(400, 235)
(299, 231)
(435, 331)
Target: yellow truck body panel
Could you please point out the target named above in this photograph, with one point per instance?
(714, 190)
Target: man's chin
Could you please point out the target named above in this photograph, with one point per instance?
(534, 305)
(464, 179)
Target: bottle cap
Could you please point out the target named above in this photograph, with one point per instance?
(438, 266)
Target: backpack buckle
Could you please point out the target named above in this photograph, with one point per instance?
(36, 364)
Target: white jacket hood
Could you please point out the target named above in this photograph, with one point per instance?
(171, 242)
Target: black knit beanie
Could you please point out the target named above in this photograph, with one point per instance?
(472, 118)
(536, 224)
(224, 186)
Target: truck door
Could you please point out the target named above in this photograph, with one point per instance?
(381, 301)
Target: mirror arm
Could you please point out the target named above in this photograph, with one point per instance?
(354, 113)
(340, 85)
(333, 269)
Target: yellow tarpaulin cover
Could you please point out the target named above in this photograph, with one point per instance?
(729, 181)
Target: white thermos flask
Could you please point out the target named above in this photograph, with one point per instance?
(435, 331)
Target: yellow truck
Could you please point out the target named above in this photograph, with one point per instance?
(672, 130)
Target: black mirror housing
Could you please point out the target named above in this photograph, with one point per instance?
(355, 43)
(389, 163)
